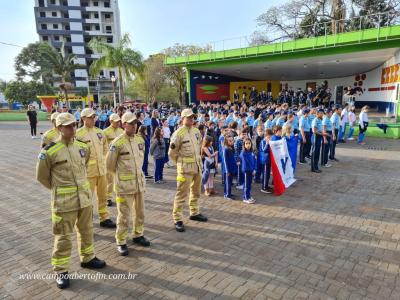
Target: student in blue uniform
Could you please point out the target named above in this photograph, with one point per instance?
(248, 162)
(316, 139)
(269, 123)
(265, 161)
(238, 146)
(171, 122)
(221, 143)
(327, 138)
(229, 166)
(259, 138)
(305, 137)
(282, 119)
(250, 121)
(311, 116)
(335, 119)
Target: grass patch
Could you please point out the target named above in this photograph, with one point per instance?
(20, 116)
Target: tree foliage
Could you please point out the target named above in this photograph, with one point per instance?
(25, 92)
(307, 18)
(127, 61)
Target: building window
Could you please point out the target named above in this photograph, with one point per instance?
(55, 26)
(65, 3)
(101, 73)
(108, 29)
(97, 27)
(85, 16)
(67, 27)
(43, 26)
(42, 14)
(45, 38)
(54, 14)
(87, 27)
(85, 4)
(53, 2)
(41, 3)
(95, 3)
(107, 16)
(56, 38)
(87, 39)
(109, 39)
(68, 39)
(112, 73)
(106, 4)
(66, 15)
(96, 15)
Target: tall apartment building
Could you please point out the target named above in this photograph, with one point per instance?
(76, 22)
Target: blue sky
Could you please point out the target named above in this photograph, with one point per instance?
(152, 24)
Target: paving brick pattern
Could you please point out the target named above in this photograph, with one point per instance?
(330, 236)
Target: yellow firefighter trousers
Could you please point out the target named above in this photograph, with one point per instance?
(110, 186)
(99, 184)
(187, 183)
(63, 227)
(129, 206)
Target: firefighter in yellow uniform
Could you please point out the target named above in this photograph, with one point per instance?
(184, 151)
(111, 132)
(94, 138)
(125, 160)
(50, 136)
(61, 168)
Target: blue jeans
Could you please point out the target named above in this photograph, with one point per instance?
(342, 132)
(351, 131)
(227, 184)
(146, 161)
(248, 178)
(158, 170)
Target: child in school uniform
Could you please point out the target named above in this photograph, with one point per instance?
(292, 142)
(259, 138)
(277, 130)
(209, 165)
(265, 160)
(249, 165)
(238, 147)
(157, 150)
(229, 166)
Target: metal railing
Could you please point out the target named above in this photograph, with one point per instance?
(323, 29)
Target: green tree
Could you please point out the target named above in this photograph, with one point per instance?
(127, 61)
(25, 92)
(31, 63)
(153, 77)
(177, 74)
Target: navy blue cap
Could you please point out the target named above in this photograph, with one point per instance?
(328, 110)
(236, 112)
(320, 110)
(276, 113)
(224, 112)
(224, 127)
(306, 111)
(285, 113)
(243, 115)
(215, 110)
(231, 110)
(337, 106)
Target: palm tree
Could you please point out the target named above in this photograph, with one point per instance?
(127, 61)
(60, 64)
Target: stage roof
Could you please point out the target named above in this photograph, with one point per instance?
(328, 56)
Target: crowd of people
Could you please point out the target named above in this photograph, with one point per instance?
(87, 154)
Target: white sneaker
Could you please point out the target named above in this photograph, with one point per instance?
(350, 139)
(239, 187)
(327, 165)
(33, 137)
(246, 201)
(252, 201)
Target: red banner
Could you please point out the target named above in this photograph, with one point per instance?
(212, 92)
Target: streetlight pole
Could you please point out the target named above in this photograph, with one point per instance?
(113, 87)
(98, 91)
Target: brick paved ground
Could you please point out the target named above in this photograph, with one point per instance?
(333, 236)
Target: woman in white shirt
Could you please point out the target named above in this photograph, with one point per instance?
(363, 124)
(352, 123)
(167, 136)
